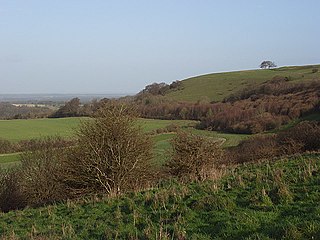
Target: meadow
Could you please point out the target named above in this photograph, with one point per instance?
(217, 86)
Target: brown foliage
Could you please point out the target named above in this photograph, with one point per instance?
(302, 137)
(40, 173)
(7, 147)
(112, 154)
(253, 149)
(194, 157)
(11, 197)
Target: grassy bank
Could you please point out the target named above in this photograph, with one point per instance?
(269, 200)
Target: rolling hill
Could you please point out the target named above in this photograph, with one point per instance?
(217, 86)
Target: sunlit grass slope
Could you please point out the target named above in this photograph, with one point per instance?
(217, 86)
(270, 200)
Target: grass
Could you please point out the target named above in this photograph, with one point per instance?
(15, 130)
(217, 86)
(268, 200)
(9, 160)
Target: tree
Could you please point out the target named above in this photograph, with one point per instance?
(70, 109)
(112, 155)
(267, 64)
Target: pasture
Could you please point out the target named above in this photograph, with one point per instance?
(217, 86)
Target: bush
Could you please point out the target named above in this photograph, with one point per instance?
(194, 157)
(11, 197)
(7, 146)
(112, 154)
(40, 173)
(254, 149)
(302, 137)
(315, 70)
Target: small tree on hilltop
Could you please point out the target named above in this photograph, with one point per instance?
(267, 64)
(113, 155)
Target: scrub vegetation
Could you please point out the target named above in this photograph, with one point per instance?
(247, 167)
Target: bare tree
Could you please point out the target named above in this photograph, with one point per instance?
(113, 155)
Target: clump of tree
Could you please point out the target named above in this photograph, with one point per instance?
(10, 111)
(70, 109)
(160, 88)
(194, 157)
(267, 64)
(112, 154)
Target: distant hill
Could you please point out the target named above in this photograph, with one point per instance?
(217, 86)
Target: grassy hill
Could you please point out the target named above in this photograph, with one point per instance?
(269, 200)
(217, 86)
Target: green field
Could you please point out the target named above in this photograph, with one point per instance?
(16, 130)
(217, 86)
(270, 200)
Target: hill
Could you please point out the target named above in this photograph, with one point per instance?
(268, 200)
(217, 86)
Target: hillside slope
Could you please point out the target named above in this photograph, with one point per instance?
(270, 200)
(217, 86)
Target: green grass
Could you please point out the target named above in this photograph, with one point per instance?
(269, 200)
(10, 157)
(15, 130)
(217, 86)
(149, 125)
(9, 160)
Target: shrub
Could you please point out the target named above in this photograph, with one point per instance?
(194, 157)
(315, 70)
(7, 146)
(112, 154)
(254, 149)
(11, 197)
(302, 137)
(44, 143)
(40, 173)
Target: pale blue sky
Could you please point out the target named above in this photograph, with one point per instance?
(100, 46)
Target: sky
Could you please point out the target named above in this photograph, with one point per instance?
(117, 46)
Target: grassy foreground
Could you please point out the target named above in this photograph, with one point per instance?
(217, 86)
(270, 200)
